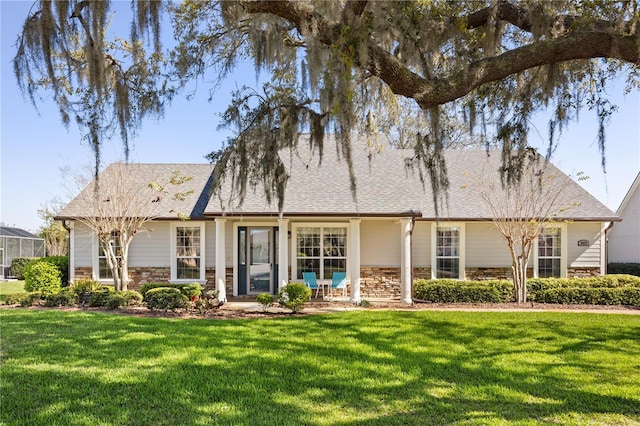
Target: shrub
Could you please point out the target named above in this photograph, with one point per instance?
(66, 297)
(293, 296)
(86, 286)
(208, 301)
(165, 298)
(131, 297)
(591, 296)
(18, 264)
(266, 300)
(101, 297)
(189, 290)
(62, 263)
(455, 291)
(624, 268)
(23, 299)
(43, 277)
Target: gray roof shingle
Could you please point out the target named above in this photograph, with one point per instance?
(387, 187)
(140, 176)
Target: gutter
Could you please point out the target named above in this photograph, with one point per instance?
(68, 229)
(606, 240)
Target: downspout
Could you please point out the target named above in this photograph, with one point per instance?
(606, 252)
(413, 223)
(68, 229)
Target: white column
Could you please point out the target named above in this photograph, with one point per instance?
(283, 252)
(603, 248)
(72, 251)
(405, 260)
(354, 260)
(221, 264)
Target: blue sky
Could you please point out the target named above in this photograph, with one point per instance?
(35, 146)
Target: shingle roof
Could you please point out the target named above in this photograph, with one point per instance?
(7, 231)
(386, 187)
(140, 176)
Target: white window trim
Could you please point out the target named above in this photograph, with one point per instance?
(463, 249)
(174, 257)
(95, 261)
(294, 246)
(563, 249)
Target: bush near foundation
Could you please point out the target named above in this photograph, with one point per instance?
(293, 296)
(456, 291)
(624, 268)
(189, 289)
(619, 289)
(165, 298)
(43, 277)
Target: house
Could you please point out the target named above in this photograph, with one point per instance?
(385, 236)
(16, 242)
(624, 237)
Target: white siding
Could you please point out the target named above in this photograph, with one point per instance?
(228, 243)
(210, 241)
(583, 256)
(151, 246)
(380, 243)
(83, 246)
(422, 245)
(624, 238)
(485, 246)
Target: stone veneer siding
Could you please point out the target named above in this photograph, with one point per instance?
(375, 282)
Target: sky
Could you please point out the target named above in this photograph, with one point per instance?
(35, 146)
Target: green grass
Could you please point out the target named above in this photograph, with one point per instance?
(10, 287)
(354, 368)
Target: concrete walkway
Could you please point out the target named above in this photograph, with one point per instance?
(319, 306)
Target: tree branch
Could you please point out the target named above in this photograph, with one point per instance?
(436, 91)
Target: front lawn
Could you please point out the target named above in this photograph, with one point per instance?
(356, 368)
(10, 287)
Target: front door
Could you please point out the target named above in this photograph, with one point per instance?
(257, 259)
(260, 261)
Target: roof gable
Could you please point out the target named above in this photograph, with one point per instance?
(139, 176)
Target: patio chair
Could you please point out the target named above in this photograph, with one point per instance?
(339, 280)
(311, 282)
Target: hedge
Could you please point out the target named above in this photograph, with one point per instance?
(165, 298)
(188, 289)
(18, 264)
(452, 291)
(617, 289)
(624, 268)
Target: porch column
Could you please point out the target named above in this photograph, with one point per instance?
(354, 259)
(221, 264)
(72, 249)
(283, 252)
(405, 260)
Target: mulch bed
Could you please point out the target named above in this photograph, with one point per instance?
(229, 311)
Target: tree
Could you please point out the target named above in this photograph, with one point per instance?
(521, 212)
(54, 234)
(336, 66)
(116, 207)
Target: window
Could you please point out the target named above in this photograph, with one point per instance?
(447, 250)
(549, 253)
(104, 271)
(322, 250)
(188, 252)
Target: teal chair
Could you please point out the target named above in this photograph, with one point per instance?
(339, 280)
(311, 282)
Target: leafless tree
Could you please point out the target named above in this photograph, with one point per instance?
(117, 205)
(522, 210)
